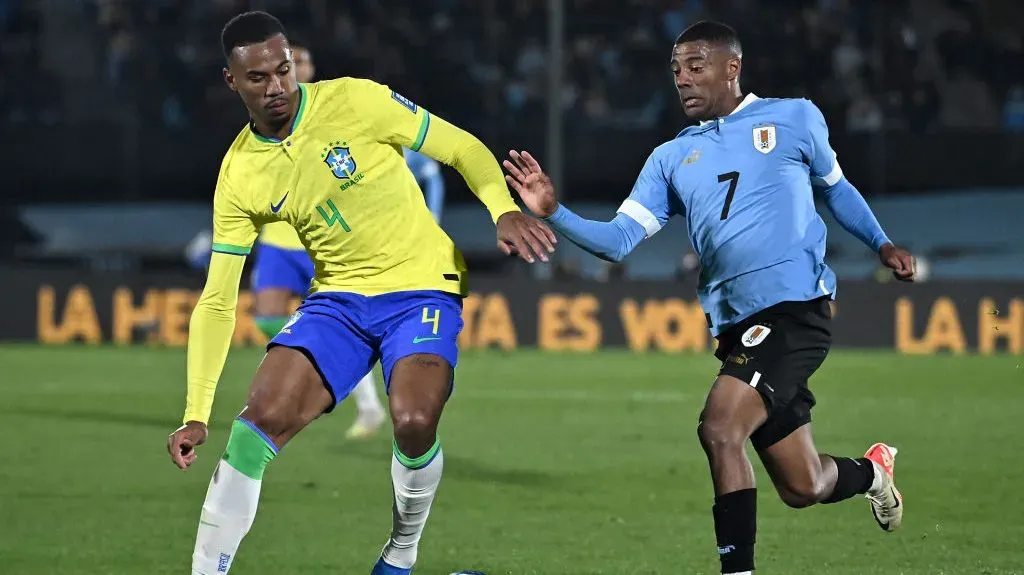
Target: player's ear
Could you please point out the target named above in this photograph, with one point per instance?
(732, 69)
(229, 80)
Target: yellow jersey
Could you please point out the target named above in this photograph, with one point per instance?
(281, 235)
(340, 181)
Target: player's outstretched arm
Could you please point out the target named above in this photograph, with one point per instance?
(853, 213)
(394, 119)
(518, 234)
(209, 337)
(843, 199)
(611, 241)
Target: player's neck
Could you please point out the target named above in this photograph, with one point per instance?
(731, 103)
(278, 129)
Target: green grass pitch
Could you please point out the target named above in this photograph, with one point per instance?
(554, 464)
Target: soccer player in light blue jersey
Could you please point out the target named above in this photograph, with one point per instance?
(745, 179)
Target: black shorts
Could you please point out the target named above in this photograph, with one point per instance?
(776, 351)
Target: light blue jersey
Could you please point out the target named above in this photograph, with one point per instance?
(428, 176)
(745, 184)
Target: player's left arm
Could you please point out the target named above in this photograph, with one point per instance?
(394, 119)
(844, 200)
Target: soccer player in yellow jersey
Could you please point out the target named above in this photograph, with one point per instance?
(388, 283)
(282, 268)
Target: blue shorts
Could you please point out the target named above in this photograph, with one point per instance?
(345, 334)
(282, 269)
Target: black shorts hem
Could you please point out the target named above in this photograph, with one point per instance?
(747, 375)
(775, 429)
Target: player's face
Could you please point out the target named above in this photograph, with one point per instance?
(704, 76)
(304, 68)
(264, 76)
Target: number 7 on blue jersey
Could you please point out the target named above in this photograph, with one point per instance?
(733, 178)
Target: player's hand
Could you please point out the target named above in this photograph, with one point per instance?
(899, 260)
(526, 237)
(531, 183)
(182, 443)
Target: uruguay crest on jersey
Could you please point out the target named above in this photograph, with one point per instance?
(764, 138)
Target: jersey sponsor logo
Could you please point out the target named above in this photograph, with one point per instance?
(764, 138)
(338, 158)
(692, 157)
(419, 339)
(739, 359)
(291, 321)
(277, 207)
(404, 101)
(755, 335)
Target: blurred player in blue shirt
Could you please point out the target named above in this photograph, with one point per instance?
(745, 179)
(283, 270)
(428, 176)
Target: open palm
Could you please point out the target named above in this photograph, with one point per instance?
(531, 183)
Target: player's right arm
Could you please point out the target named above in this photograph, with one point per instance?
(213, 320)
(639, 217)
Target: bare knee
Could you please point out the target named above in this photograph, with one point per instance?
(415, 429)
(420, 385)
(804, 492)
(286, 394)
(719, 437)
(279, 415)
(275, 419)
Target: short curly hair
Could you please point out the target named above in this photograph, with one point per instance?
(249, 28)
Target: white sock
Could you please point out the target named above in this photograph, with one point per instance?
(365, 395)
(228, 512)
(740, 573)
(413, 493)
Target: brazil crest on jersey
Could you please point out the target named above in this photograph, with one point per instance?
(340, 180)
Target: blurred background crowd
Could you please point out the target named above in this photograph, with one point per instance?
(122, 100)
(917, 65)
